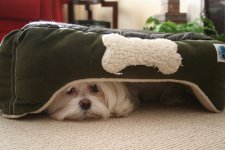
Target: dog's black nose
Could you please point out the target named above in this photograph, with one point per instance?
(85, 104)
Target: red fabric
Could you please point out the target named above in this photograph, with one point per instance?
(46, 9)
(8, 25)
(20, 9)
(14, 14)
(57, 10)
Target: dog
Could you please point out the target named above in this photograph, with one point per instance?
(92, 100)
(102, 100)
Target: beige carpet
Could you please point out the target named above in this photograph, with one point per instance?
(152, 127)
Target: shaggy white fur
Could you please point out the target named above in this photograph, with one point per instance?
(122, 52)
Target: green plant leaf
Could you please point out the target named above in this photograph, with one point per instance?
(199, 25)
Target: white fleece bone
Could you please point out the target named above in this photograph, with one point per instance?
(122, 52)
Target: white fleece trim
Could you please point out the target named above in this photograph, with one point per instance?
(203, 99)
(122, 52)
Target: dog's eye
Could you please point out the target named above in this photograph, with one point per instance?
(71, 91)
(94, 88)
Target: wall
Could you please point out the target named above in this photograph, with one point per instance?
(133, 13)
(194, 9)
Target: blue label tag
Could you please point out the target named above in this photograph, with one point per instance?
(220, 48)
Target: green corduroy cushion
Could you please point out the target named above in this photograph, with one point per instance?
(40, 58)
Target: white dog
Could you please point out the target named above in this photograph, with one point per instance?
(100, 100)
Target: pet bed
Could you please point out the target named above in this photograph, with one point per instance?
(42, 57)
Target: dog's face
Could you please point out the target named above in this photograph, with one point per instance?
(79, 101)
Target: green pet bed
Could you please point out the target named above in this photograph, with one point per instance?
(43, 57)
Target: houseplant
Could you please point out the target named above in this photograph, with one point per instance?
(201, 25)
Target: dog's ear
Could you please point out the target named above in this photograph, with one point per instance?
(123, 108)
(58, 99)
(124, 103)
(56, 102)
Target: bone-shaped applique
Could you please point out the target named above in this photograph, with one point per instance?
(124, 51)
